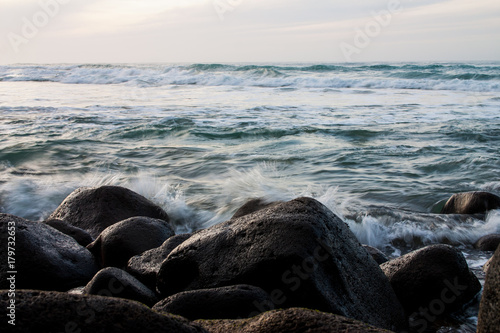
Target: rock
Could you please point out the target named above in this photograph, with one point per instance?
(376, 254)
(486, 266)
(95, 209)
(114, 282)
(434, 279)
(44, 312)
(489, 308)
(123, 240)
(45, 258)
(146, 265)
(252, 206)
(488, 242)
(81, 236)
(471, 203)
(241, 301)
(299, 252)
(293, 320)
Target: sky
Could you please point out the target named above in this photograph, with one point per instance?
(207, 31)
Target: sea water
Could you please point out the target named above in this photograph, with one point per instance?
(383, 145)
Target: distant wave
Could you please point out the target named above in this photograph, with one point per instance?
(459, 77)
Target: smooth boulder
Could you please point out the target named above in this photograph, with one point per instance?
(47, 312)
(146, 265)
(488, 242)
(435, 279)
(376, 254)
(114, 282)
(232, 302)
(81, 236)
(471, 203)
(293, 320)
(44, 258)
(489, 308)
(123, 240)
(96, 208)
(299, 252)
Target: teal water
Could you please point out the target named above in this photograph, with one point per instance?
(201, 139)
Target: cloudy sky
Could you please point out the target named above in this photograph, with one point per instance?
(112, 31)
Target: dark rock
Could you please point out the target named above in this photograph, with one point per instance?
(123, 240)
(114, 282)
(471, 203)
(241, 301)
(435, 279)
(488, 242)
(45, 258)
(489, 309)
(376, 254)
(44, 312)
(145, 266)
(299, 252)
(294, 320)
(95, 209)
(81, 236)
(252, 206)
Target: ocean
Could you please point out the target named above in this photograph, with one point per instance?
(383, 145)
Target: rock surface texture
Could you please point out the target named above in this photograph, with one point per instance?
(95, 209)
(299, 252)
(489, 309)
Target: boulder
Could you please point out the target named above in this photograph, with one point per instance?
(486, 266)
(95, 209)
(114, 282)
(431, 281)
(232, 302)
(489, 308)
(81, 236)
(146, 265)
(123, 240)
(376, 254)
(471, 203)
(299, 252)
(252, 206)
(45, 258)
(293, 320)
(488, 242)
(47, 312)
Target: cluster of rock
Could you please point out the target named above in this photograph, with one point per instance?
(108, 260)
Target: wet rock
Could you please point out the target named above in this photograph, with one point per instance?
(471, 203)
(95, 209)
(123, 240)
(241, 301)
(489, 309)
(252, 206)
(114, 282)
(376, 254)
(294, 320)
(299, 252)
(44, 312)
(435, 279)
(488, 242)
(45, 258)
(81, 236)
(145, 266)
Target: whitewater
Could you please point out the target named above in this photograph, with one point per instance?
(383, 145)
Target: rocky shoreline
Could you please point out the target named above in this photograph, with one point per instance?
(108, 260)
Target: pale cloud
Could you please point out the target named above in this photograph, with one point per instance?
(252, 30)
